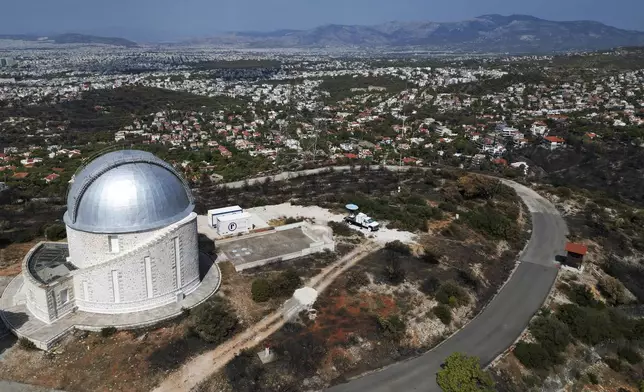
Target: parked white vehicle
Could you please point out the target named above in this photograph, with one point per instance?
(360, 219)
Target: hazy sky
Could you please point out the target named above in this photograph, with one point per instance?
(174, 19)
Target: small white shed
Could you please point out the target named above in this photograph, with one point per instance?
(233, 224)
(220, 212)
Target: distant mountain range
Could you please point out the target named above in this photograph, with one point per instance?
(486, 33)
(70, 39)
(483, 34)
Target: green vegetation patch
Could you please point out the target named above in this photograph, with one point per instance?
(450, 293)
(281, 285)
(214, 321)
(464, 374)
(340, 87)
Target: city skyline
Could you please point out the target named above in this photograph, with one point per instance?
(165, 20)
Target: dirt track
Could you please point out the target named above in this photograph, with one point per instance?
(199, 368)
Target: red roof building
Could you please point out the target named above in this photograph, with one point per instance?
(554, 139)
(20, 175)
(576, 253)
(579, 249)
(51, 177)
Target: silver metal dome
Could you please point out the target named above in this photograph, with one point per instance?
(127, 191)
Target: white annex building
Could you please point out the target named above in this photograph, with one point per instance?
(131, 243)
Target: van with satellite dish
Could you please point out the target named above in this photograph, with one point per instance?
(360, 219)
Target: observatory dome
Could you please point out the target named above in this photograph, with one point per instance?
(127, 191)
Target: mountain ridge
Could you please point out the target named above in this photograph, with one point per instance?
(70, 38)
(485, 33)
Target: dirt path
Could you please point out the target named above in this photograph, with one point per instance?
(199, 368)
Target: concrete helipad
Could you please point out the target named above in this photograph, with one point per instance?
(282, 243)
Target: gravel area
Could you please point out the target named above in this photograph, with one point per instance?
(323, 216)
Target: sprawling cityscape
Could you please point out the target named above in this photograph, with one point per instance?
(223, 215)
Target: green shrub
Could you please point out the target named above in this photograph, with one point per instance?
(261, 290)
(243, 371)
(430, 257)
(290, 220)
(214, 321)
(562, 191)
(551, 333)
(449, 290)
(430, 285)
(614, 363)
(474, 186)
(592, 377)
(613, 290)
(398, 247)
(56, 232)
(468, 278)
(590, 325)
(356, 279)
(108, 331)
(461, 373)
(342, 230)
(392, 327)
(393, 270)
(629, 355)
(532, 355)
(284, 284)
(444, 313)
(490, 222)
(582, 296)
(26, 344)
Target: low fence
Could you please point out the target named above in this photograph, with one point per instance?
(320, 244)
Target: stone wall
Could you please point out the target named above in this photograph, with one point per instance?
(56, 291)
(95, 289)
(88, 249)
(37, 300)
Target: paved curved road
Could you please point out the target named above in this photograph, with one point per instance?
(499, 325)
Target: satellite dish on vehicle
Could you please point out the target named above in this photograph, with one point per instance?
(351, 207)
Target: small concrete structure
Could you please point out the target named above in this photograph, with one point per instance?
(303, 299)
(266, 355)
(575, 255)
(281, 243)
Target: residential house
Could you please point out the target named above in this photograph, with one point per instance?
(51, 177)
(553, 142)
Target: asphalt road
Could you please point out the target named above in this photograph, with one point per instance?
(499, 325)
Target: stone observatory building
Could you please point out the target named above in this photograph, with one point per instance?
(132, 246)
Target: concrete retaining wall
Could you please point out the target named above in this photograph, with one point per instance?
(321, 244)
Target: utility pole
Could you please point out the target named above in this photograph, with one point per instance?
(315, 143)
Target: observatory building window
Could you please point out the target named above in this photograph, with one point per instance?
(114, 243)
(64, 296)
